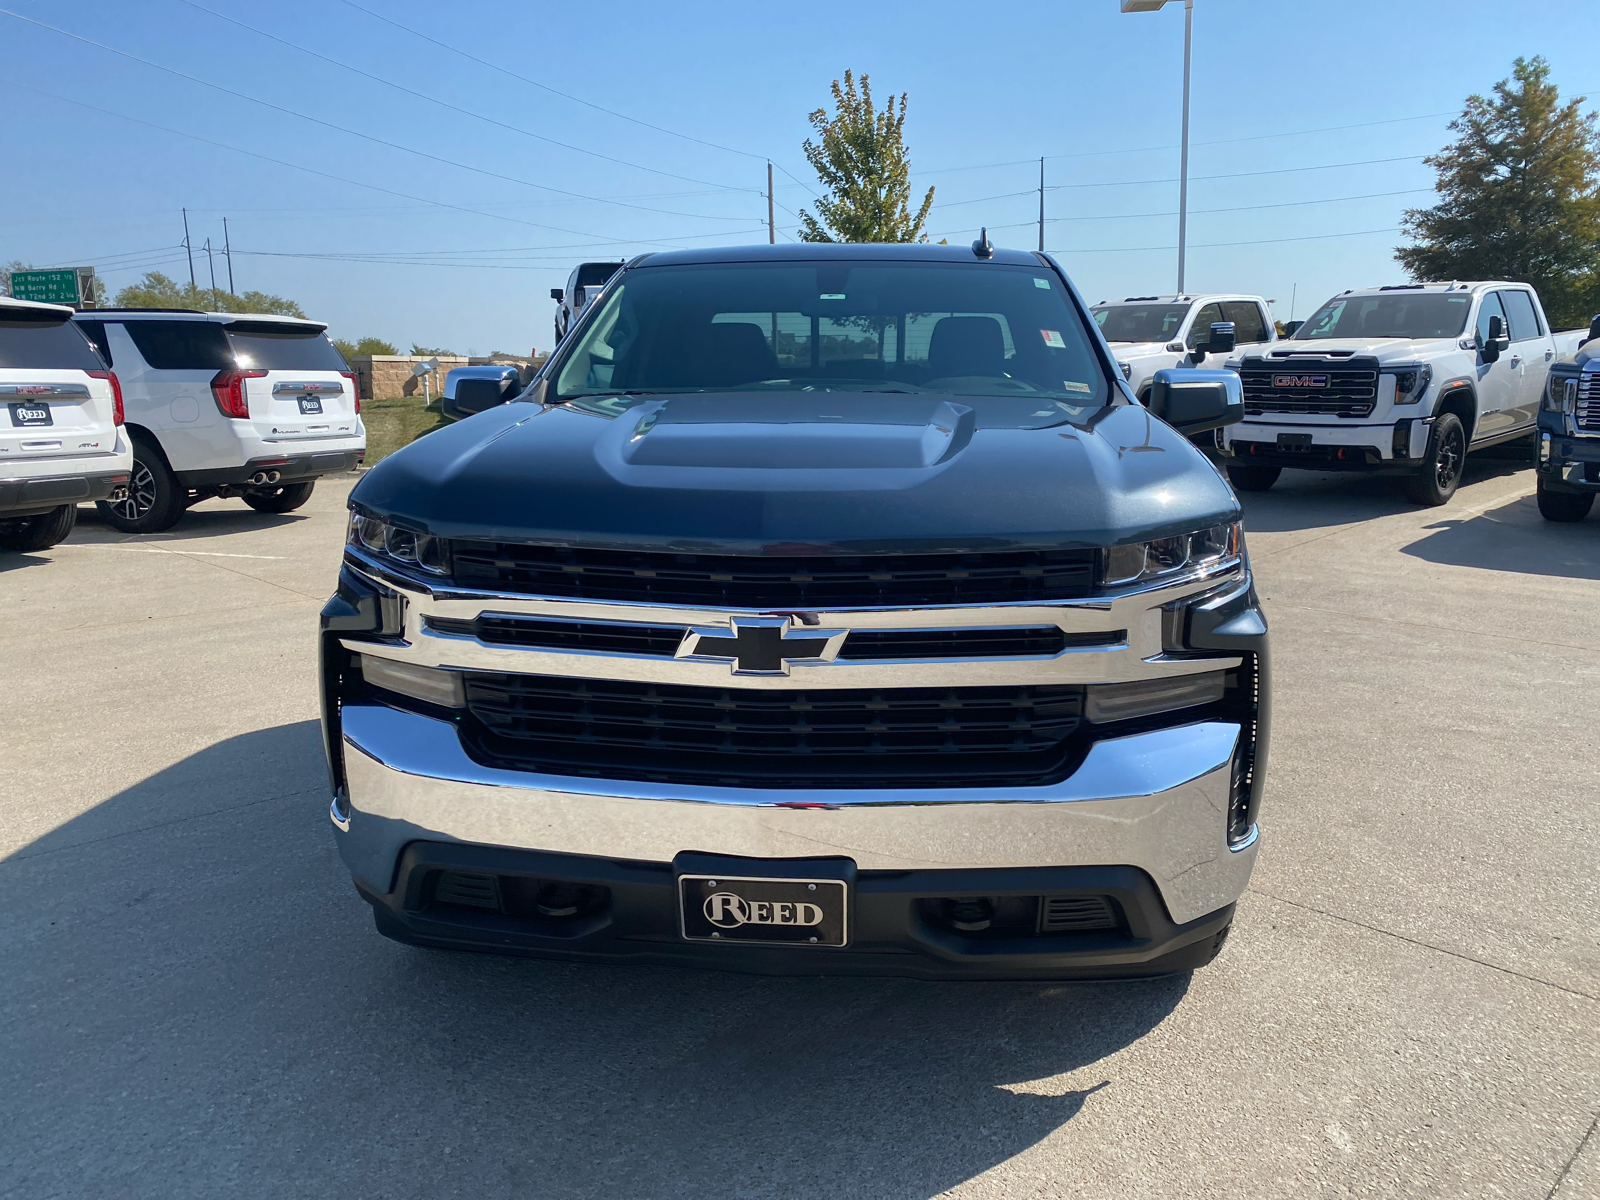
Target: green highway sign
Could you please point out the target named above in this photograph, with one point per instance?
(51, 287)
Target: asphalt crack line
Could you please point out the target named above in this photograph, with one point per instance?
(1566, 1170)
(111, 837)
(141, 548)
(1482, 633)
(1560, 987)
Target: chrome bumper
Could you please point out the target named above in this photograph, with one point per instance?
(1157, 801)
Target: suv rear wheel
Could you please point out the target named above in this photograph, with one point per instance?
(1440, 474)
(155, 499)
(281, 500)
(1563, 506)
(1253, 479)
(40, 532)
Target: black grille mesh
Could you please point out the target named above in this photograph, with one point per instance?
(755, 581)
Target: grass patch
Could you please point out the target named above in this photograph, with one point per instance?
(397, 422)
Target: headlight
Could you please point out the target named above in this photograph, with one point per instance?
(1410, 382)
(377, 536)
(1560, 392)
(1188, 552)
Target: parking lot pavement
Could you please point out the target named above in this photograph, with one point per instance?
(195, 1000)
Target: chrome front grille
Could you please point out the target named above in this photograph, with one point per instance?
(1310, 385)
(1587, 411)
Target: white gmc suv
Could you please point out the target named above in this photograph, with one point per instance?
(1155, 333)
(61, 435)
(1405, 379)
(226, 404)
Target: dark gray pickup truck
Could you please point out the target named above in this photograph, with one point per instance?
(817, 609)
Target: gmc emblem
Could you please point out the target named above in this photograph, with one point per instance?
(1299, 381)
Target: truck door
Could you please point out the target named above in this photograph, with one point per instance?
(1200, 329)
(1531, 352)
(1250, 327)
(1497, 381)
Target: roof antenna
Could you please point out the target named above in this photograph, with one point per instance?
(981, 247)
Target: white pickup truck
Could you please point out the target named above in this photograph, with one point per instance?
(1154, 333)
(1404, 379)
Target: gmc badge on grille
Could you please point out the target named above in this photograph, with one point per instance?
(1299, 381)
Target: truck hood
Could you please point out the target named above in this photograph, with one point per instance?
(1384, 349)
(1137, 349)
(754, 473)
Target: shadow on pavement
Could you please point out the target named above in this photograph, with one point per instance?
(1514, 537)
(1304, 500)
(196, 524)
(196, 1000)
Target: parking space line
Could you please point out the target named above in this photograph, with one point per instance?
(141, 548)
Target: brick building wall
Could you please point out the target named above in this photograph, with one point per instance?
(386, 376)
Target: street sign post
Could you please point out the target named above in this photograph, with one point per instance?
(70, 285)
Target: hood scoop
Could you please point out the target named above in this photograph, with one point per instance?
(845, 431)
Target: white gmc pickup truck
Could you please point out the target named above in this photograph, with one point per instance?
(1404, 379)
(1155, 333)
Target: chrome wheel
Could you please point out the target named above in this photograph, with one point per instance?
(141, 494)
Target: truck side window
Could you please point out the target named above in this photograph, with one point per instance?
(96, 333)
(1489, 308)
(1248, 325)
(1201, 328)
(1521, 316)
(181, 345)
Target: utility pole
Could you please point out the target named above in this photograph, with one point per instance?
(772, 225)
(1183, 185)
(212, 263)
(227, 250)
(188, 248)
(1041, 206)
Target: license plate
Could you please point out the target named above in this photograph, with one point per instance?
(30, 414)
(310, 406)
(785, 912)
(1294, 441)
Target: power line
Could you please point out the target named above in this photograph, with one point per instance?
(464, 111)
(357, 133)
(546, 87)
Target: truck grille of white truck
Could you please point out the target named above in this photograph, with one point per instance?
(1587, 412)
(1311, 385)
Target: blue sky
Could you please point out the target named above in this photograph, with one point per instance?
(462, 252)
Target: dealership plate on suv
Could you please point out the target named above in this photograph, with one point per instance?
(787, 912)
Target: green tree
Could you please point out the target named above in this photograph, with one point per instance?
(155, 290)
(431, 351)
(1519, 197)
(861, 160)
(366, 345)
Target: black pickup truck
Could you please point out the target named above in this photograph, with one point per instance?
(817, 609)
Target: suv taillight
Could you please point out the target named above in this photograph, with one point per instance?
(355, 389)
(228, 388)
(116, 394)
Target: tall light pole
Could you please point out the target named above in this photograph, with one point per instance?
(1183, 173)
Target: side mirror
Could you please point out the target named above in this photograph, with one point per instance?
(476, 395)
(558, 294)
(1491, 344)
(1594, 329)
(1194, 401)
(1221, 341)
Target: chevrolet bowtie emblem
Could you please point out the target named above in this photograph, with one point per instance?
(762, 645)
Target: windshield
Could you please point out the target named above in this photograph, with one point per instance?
(1141, 322)
(284, 350)
(971, 331)
(1414, 315)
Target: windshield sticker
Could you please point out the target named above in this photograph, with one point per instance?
(1052, 338)
(1041, 283)
(1070, 386)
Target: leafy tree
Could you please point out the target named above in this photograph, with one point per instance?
(431, 351)
(1519, 196)
(366, 345)
(155, 290)
(862, 162)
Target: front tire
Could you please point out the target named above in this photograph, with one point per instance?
(1440, 474)
(284, 499)
(1253, 479)
(155, 499)
(1564, 506)
(40, 532)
